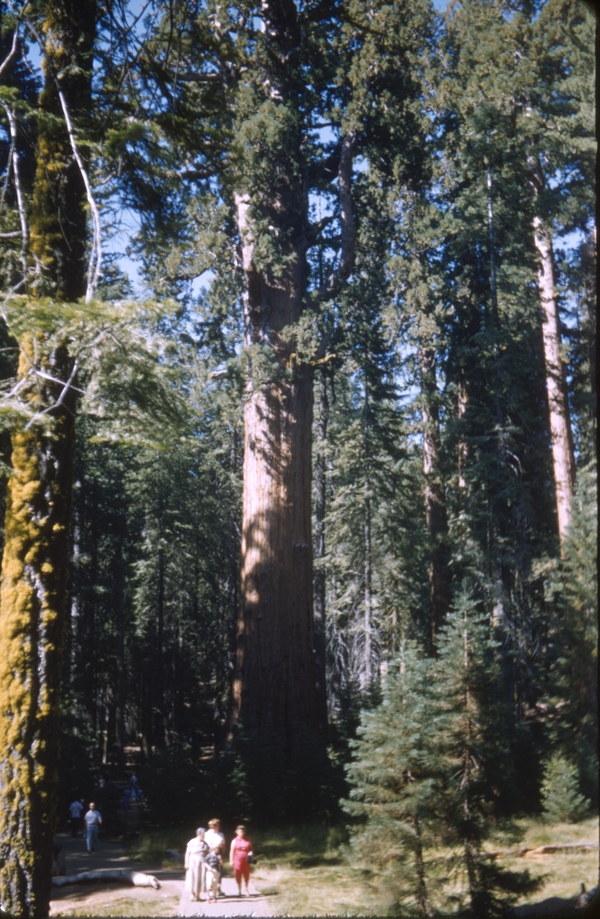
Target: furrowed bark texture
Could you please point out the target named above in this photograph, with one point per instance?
(33, 593)
(274, 691)
(558, 408)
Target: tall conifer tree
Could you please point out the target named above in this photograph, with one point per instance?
(34, 565)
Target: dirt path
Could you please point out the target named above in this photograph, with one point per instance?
(109, 898)
(102, 898)
(229, 905)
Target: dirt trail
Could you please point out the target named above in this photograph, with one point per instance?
(100, 896)
(229, 905)
(171, 900)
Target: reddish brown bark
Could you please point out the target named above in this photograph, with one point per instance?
(274, 689)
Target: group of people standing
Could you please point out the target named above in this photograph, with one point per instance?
(204, 856)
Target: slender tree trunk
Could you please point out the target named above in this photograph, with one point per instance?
(119, 605)
(33, 594)
(558, 409)
(367, 670)
(160, 732)
(462, 402)
(422, 896)
(435, 503)
(320, 580)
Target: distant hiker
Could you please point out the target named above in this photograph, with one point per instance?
(136, 791)
(76, 810)
(93, 822)
(240, 849)
(196, 851)
(215, 839)
(126, 798)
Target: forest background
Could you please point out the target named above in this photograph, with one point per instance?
(366, 239)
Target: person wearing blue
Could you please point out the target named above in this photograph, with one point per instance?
(93, 821)
(76, 810)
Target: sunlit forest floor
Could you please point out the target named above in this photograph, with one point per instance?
(302, 871)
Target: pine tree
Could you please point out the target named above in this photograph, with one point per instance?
(472, 738)
(561, 799)
(392, 780)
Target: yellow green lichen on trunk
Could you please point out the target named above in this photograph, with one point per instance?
(32, 600)
(33, 591)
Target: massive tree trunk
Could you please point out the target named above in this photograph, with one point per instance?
(34, 566)
(558, 408)
(435, 503)
(274, 691)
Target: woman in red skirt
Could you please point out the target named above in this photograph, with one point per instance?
(241, 848)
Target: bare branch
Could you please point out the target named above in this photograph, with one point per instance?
(66, 387)
(12, 53)
(14, 156)
(95, 265)
(347, 220)
(96, 254)
(199, 77)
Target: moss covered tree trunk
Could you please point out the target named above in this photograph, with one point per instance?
(33, 596)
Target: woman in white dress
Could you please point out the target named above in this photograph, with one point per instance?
(195, 851)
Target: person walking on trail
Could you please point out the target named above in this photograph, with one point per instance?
(196, 851)
(240, 849)
(93, 821)
(76, 810)
(216, 840)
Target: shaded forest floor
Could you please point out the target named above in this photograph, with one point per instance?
(300, 871)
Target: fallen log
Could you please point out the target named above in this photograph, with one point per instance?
(542, 850)
(136, 878)
(564, 847)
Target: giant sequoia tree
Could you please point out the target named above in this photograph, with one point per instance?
(34, 565)
(284, 98)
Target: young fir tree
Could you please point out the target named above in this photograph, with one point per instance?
(472, 739)
(392, 778)
(573, 639)
(561, 799)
